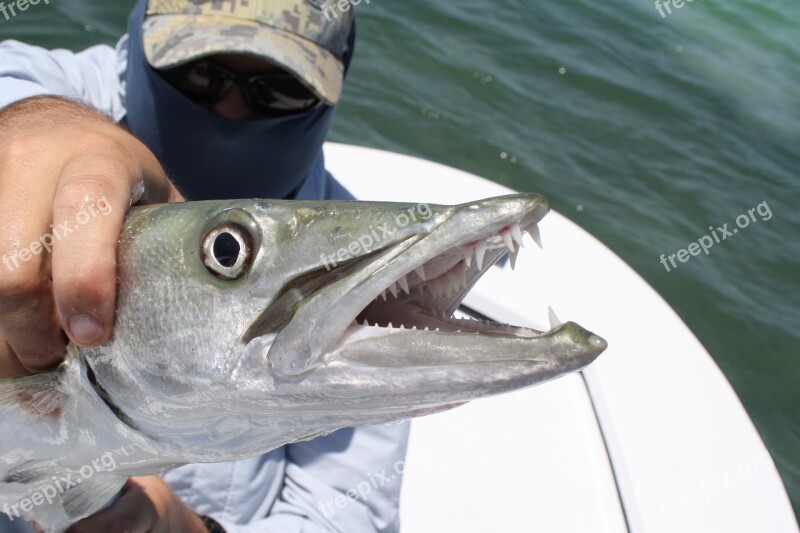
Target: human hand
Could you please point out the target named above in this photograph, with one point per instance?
(67, 178)
(147, 504)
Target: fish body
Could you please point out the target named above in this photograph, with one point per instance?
(245, 325)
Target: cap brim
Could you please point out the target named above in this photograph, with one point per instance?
(172, 40)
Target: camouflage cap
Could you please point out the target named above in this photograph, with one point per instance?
(305, 37)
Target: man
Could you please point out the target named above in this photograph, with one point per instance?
(233, 99)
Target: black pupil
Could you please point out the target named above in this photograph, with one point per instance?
(226, 249)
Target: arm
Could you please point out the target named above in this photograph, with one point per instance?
(91, 76)
(345, 482)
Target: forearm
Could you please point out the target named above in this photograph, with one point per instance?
(47, 111)
(347, 481)
(90, 76)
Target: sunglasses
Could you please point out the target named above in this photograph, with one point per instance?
(270, 95)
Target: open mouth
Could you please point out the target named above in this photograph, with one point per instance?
(427, 296)
(391, 305)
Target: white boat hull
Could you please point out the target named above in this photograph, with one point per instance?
(649, 438)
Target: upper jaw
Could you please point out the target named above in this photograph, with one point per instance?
(427, 272)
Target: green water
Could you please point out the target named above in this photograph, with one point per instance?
(656, 127)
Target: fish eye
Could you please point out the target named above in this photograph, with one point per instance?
(227, 251)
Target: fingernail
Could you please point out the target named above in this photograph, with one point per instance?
(85, 328)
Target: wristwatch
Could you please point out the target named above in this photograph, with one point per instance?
(211, 525)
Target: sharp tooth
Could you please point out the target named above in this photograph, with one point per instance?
(533, 229)
(554, 320)
(414, 327)
(462, 279)
(512, 256)
(433, 286)
(516, 233)
(390, 325)
(420, 270)
(467, 258)
(404, 284)
(393, 289)
(480, 250)
(506, 234)
(383, 295)
(426, 328)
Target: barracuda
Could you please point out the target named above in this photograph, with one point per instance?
(245, 325)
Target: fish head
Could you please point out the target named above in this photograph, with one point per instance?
(271, 321)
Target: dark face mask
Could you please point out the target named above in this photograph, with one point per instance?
(209, 156)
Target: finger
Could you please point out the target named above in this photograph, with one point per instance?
(133, 512)
(154, 187)
(93, 195)
(28, 321)
(10, 367)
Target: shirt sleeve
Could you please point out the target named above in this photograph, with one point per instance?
(346, 482)
(91, 76)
